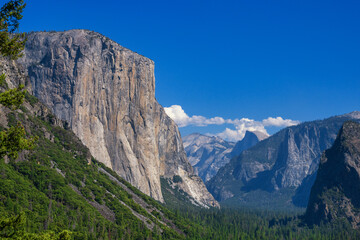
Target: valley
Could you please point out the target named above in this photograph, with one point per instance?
(88, 152)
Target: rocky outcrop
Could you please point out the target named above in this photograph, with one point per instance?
(207, 154)
(107, 95)
(336, 191)
(14, 75)
(281, 169)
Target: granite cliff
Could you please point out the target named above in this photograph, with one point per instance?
(58, 183)
(336, 191)
(107, 95)
(279, 171)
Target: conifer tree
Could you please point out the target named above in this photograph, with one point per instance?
(13, 139)
(11, 43)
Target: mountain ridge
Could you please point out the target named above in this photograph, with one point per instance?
(207, 154)
(282, 166)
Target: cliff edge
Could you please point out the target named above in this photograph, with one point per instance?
(107, 95)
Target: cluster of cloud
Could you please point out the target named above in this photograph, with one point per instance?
(241, 125)
(176, 113)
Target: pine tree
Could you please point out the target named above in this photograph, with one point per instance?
(13, 139)
(11, 44)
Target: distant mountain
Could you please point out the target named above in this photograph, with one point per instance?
(279, 171)
(336, 191)
(207, 154)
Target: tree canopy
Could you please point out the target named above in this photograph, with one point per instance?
(11, 43)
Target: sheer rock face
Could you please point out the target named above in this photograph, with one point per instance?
(107, 95)
(336, 191)
(286, 161)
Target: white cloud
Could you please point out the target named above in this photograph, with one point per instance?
(241, 125)
(279, 122)
(232, 135)
(176, 113)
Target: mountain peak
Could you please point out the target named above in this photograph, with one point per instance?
(259, 135)
(249, 140)
(249, 133)
(354, 114)
(208, 153)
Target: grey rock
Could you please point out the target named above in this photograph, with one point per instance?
(107, 95)
(207, 154)
(13, 72)
(250, 139)
(336, 191)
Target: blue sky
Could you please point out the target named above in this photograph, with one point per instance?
(298, 60)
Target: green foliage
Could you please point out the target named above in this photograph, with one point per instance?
(248, 224)
(13, 140)
(13, 98)
(3, 81)
(11, 44)
(177, 179)
(58, 186)
(31, 99)
(11, 118)
(14, 228)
